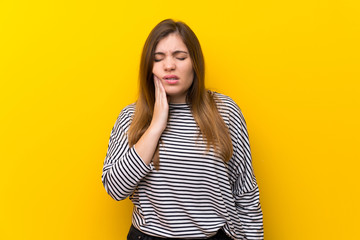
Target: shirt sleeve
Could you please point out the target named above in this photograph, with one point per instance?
(242, 179)
(123, 167)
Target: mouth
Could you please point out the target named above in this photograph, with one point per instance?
(171, 79)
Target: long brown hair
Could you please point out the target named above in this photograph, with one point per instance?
(200, 100)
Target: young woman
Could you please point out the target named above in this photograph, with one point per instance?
(181, 153)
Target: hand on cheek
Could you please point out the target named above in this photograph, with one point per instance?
(161, 107)
(159, 84)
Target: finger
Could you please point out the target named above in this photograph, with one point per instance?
(162, 92)
(156, 83)
(161, 86)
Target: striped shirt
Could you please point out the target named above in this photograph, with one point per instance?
(194, 193)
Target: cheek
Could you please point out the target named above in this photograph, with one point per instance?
(188, 70)
(157, 69)
(154, 69)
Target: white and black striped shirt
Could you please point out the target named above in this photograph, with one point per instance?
(194, 193)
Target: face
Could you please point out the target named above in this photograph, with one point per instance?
(173, 66)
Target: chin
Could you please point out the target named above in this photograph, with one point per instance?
(171, 92)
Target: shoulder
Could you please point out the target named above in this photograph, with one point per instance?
(129, 110)
(226, 104)
(223, 100)
(230, 111)
(125, 116)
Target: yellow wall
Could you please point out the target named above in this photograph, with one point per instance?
(67, 68)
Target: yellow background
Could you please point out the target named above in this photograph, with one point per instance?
(67, 68)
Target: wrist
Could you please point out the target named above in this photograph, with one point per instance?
(154, 130)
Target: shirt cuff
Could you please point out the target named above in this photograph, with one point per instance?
(143, 167)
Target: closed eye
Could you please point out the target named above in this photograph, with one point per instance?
(180, 55)
(179, 58)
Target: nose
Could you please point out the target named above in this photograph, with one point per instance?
(169, 64)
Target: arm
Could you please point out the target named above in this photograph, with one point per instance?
(124, 167)
(244, 186)
(148, 142)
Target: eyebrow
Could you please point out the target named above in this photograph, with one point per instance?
(174, 53)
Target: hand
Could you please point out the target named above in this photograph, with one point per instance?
(147, 144)
(161, 107)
